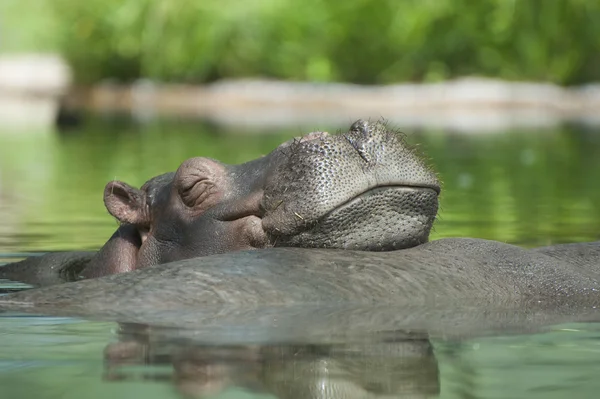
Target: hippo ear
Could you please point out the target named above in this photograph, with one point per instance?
(125, 203)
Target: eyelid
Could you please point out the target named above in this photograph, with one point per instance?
(198, 193)
(198, 183)
(190, 179)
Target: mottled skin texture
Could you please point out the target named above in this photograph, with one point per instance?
(452, 273)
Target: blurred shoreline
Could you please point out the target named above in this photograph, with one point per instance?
(463, 105)
(34, 89)
(31, 86)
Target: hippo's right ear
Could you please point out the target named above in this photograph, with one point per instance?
(125, 203)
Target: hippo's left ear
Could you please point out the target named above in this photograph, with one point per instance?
(125, 203)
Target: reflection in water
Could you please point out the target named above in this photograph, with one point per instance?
(70, 358)
(383, 365)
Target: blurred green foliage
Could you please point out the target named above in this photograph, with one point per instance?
(27, 25)
(362, 41)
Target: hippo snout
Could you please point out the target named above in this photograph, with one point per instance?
(347, 183)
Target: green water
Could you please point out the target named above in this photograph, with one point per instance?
(526, 187)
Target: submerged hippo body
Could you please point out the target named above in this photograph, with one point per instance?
(464, 284)
(185, 239)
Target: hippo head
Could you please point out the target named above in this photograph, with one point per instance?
(363, 190)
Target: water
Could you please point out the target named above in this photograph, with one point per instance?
(64, 358)
(525, 187)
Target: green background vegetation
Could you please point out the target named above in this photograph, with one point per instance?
(362, 41)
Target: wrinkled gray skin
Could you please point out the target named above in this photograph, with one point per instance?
(364, 190)
(450, 272)
(360, 190)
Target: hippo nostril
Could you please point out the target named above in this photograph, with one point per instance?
(360, 126)
(359, 147)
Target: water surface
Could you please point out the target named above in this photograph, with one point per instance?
(525, 187)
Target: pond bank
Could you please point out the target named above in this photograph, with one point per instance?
(31, 86)
(466, 105)
(34, 88)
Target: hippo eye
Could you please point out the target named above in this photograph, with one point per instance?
(197, 183)
(194, 190)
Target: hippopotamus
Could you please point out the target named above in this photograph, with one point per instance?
(363, 190)
(337, 220)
